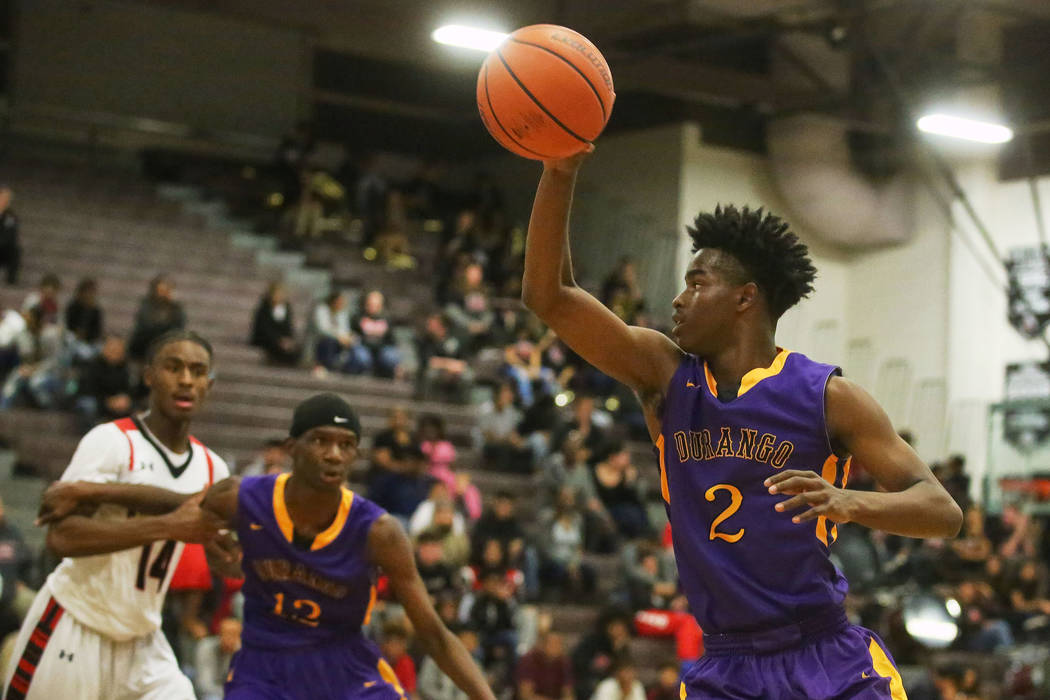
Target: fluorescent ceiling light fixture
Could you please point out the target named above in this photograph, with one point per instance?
(967, 129)
(468, 37)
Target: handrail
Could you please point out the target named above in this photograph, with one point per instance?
(164, 132)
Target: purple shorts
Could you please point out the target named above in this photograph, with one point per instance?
(823, 657)
(348, 669)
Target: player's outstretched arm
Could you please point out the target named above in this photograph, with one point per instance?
(389, 549)
(914, 504)
(641, 358)
(81, 536)
(64, 498)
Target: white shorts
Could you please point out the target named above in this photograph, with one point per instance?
(58, 658)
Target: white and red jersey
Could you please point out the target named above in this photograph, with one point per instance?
(120, 594)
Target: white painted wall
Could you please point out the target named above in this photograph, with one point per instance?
(141, 60)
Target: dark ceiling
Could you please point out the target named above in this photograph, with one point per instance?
(379, 81)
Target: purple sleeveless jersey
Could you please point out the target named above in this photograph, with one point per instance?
(743, 566)
(296, 595)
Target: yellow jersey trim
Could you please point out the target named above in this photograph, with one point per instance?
(753, 377)
(280, 510)
(284, 520)
(663, 469)
(336, 527)
(885, 668)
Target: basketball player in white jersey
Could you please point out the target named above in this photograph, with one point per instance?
(93, 632)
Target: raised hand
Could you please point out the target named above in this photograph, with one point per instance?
(570, 164)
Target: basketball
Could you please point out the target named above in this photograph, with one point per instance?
(545, 92)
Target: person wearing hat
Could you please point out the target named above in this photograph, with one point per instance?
(311, 552)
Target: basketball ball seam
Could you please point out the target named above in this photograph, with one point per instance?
(539, 104)
(572, 65)
(495, 117)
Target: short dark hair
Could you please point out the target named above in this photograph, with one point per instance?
(176, 336)
(771, 255)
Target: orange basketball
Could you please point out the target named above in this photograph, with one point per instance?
(545, 92)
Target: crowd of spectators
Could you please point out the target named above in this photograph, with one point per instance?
(494, 563)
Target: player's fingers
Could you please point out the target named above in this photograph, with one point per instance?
(798, 484)
(789, 474)
(811, 514)
(792, 503)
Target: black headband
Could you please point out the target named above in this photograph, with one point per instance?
(324, 410)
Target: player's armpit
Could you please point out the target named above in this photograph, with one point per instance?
(641, 358)
(915, 504)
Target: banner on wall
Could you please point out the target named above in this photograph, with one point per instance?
(1028, 300)
(1026, 419)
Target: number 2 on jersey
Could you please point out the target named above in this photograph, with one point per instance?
(159, 568)
(735, 499)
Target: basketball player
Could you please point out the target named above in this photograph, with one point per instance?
(311, 548)
(94, 630)
(754, 444)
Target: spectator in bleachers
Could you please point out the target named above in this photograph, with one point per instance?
(1031, 590)
(423, 517)
(370, 199)
(396, 448)
(621, 489)
(10, 250)
(158, 313)
(972, 548)
(439, 577)
(545, 671)
(394, 646)
(336, 347)
(956, 482)
(104, 389)
(441, 454)
(563, 569)
(293, 152)
(668, 684)
(585, 421)
(12, 323)
(433, 683)
(400, 487)
(652, 578)
(501, 523)
(273, 327)
(272, 458)
(376, 332)
(502, 447)
(16, 568)
(492, 615)
(455, 544)
(39, 375)
(45, 298)
(469, 309)
(84, 319)
(593, 657)
(390, 245)
(621, 292)
(1014, 534)
(622, 684)
(982, 626)
(569, 469)
(442, 366)
(213, 659)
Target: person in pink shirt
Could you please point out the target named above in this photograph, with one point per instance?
(440, 454)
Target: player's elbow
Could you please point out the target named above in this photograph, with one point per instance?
(953, 517)
(540, 301)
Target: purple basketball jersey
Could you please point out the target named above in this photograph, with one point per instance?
(302, 594)
(744, 566)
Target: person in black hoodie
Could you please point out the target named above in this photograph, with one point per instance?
(10, 251)
(273, 329)
(158, 313)
(104, 390)
(593, 657)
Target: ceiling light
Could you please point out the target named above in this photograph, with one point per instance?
(468, 37)
(968, 129)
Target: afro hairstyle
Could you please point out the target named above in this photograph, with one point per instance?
(771, 255)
